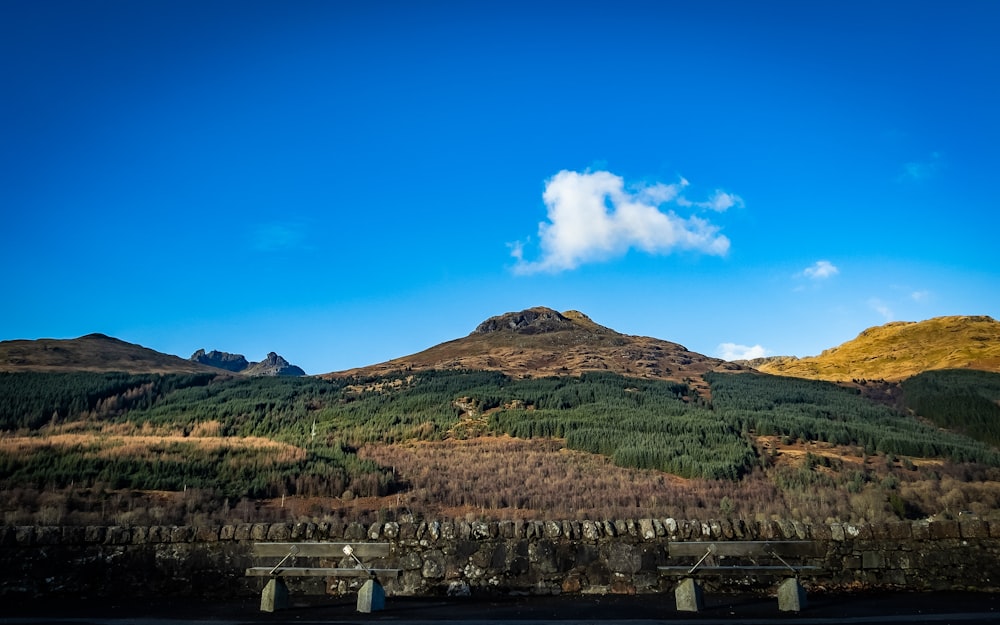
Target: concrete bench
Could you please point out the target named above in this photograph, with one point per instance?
(371, 597)
(753, 558)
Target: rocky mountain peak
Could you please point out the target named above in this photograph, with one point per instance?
(531, 321)
(221, 360)
(273, 365)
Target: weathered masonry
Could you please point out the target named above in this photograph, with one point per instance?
(541, 557)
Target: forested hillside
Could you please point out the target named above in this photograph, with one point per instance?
(240, 439)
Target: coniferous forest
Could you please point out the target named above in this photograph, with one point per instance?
(70, 440)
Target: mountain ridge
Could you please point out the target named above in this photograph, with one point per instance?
(540, 342)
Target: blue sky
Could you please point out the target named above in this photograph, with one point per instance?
(346, 183)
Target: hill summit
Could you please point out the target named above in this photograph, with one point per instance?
(93, 352)
(900, 349)
(540, 342)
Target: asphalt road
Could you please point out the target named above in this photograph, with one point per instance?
(854, 609)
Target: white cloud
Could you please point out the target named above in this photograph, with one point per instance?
(734, 351)
(821, 270)
(920, 296)
(593, 217)
(719, 202)
(881, 308)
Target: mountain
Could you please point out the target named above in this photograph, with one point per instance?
(900, 349)
(540, 342)
(93, 352)
(273, 365)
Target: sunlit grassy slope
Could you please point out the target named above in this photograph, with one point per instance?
(901, 349)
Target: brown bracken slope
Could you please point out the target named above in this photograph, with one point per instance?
(94, 352)
(540, 342)
(901, 349)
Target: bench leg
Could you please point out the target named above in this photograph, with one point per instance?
(274, 596)
(371, 597)
(688, 596)
(791, 596)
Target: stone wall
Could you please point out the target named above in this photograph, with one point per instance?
(540, 557)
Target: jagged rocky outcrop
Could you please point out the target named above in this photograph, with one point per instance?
(221, 360)
(530, 321)
(272, 366)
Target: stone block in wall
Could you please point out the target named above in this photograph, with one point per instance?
(408, 531)
(769, 530)
(506, 529)
(206, 533)
(920, 530)
(973, 528)
(658, 528)
(181, 534)
(728, 532)
(242, 531)
(900, 530)
(448, 531)
(621, 528)
(837, 532)
(374, 531)
(158, 534)
(94, 534)
(622, 585)
(24, 535)
(670, 527)
(994, 529)
(715, 529)
(48, 535)
(482, 530)
(390, 531)
(590, 530)
(433, 565)
(227, 532)
(118, 535)
(899, 560)
(622, 557)
(572, 583)
(355, 531)
(646, 529)
(851, 562)
(820, 531)
(542, 556)
(571, 529)
(858, 532)
(464, 530)
(944, 529)
(609, 528)
(279, 532)
(434, 530)
(258, 531)
(872, 560)
(553, 529)
(71, 535)
(880, 531)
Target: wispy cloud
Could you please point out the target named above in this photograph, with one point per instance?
(916, 171)
(920, 296)
(592, 216)
(734, 351)
(273, 237)
(881, 308)
(820, 270)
